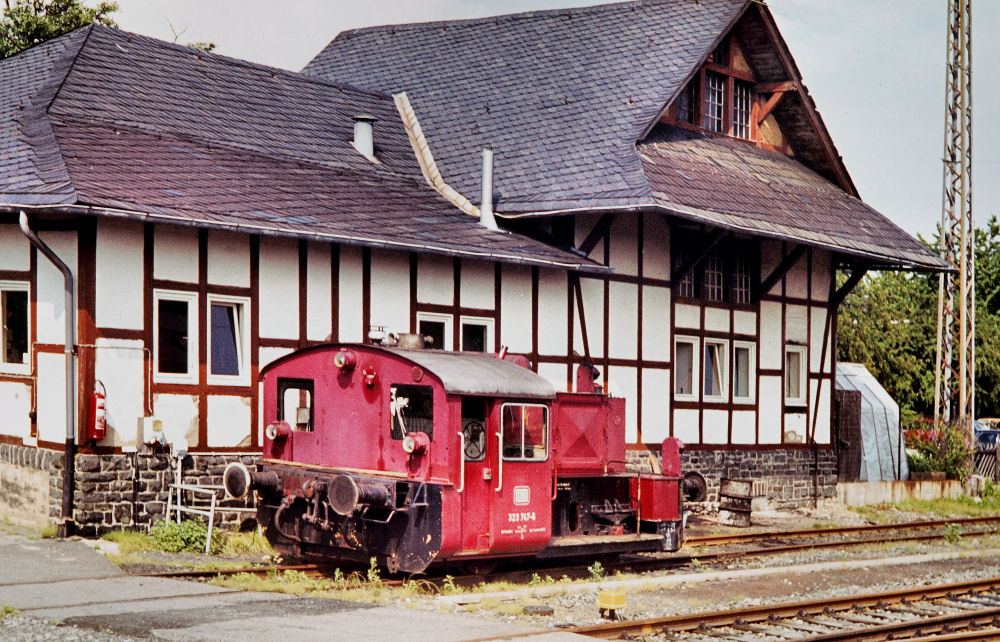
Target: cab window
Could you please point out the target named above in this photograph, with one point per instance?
(295, 403)
(525, 431)
(411, 409)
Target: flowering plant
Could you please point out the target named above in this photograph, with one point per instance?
(946, 447)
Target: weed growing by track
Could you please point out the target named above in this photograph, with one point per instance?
(8, 611)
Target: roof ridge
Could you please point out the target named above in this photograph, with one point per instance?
(246, 64)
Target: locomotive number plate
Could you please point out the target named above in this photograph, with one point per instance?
(521, 517)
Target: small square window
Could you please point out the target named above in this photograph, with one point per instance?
(477, 334)
(229, 337)
(686, 368)
(295, 403)
(14, 327)
(795, 375)
(411, 409)
(175, 326)
(437, 328)
(744, 372)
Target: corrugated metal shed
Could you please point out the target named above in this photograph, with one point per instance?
(871, 443)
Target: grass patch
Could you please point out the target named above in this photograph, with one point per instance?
(8, 611)
(964, 506)
(49, 531)
(249, 543)
(132, 541)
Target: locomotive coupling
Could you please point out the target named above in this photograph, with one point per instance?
(239, 481)
(345, 494)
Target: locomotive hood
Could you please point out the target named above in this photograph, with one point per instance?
(475, 373)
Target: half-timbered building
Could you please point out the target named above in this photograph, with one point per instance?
(671, 209)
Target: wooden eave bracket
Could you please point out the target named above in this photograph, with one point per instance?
(596, 234)
(777, 91)
(858, 272)
(697, 257)
(780, 271)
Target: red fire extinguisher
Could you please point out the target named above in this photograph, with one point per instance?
(98, 421)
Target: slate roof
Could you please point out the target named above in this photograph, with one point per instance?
(565, 96)
(113, 120)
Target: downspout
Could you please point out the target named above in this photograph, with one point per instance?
(69, 465)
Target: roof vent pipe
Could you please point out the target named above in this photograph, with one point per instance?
(486, 217)
(364, 136)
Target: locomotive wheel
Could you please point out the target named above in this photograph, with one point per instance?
(480, 567)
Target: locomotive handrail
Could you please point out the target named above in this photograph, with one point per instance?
(499, 461)
(461, 467)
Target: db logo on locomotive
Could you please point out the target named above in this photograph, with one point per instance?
(522, 495)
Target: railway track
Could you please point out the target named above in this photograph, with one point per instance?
(957, 611)
(774, 543)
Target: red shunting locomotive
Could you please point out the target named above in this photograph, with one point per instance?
(419, 457)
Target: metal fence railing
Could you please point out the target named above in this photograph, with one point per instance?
(987, 462)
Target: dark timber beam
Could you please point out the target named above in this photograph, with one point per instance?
(858, 272)
(780, 271)
(777, 91)
(596, 234)
(583, 318)
(696, 257)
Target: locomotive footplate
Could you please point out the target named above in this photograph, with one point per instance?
(354, 517)
(578, 545)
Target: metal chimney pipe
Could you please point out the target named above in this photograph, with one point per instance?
(69, 467)
(486, 217)
(364, 135)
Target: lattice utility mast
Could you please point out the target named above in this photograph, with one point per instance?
(954, 392)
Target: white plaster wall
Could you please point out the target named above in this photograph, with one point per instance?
(267, 355)
(279, 288)
(770, 336)
(436, 279)
(623, 320)
(478, 285)
(390, 293)
(818, 326)
(119, 262)
(655, 248)
(797, 279)
(350, 295)
(515, 308)
(821, 276)
(796, 324)
(593, 310)
(716, 319)
(318, 292)
(52, 398)
(51, 295)
(744, 427)
(120, 367)
(555, 373)
(228, 421)
(686, 426)
(175, 253)
(552, 312)
(655, 405)
(15, 251)
(715, 428)
(688, 316)
(655, 324)
(770, 257)
(823, 430)
(744, 322)
(770, 394)
(179, 414)
(623, 382)
(228, 259)
(15, 399)
(624, 245)
(795, 428)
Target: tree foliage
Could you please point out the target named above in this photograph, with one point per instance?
(26, 23)
(889, 323)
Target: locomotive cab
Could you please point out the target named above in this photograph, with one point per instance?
(417, 457)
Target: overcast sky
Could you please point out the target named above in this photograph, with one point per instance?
(875, 69)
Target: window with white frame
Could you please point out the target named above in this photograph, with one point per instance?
(712, 277)
(686, 368)
(228, 339)
(715, 367)
(742, 105)
(15, 356)
(714, 100)
(795, 375)
(436, 327)
(744, 371)
(175, 346)
(476, 334)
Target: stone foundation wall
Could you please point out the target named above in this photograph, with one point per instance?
(112, 491)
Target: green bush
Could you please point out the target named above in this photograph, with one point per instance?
(945, 448)
(187, 537)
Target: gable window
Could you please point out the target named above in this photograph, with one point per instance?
(795, 375)
(741, 275)
(744, 372)
(714, 101)
(175, 328)
(712, 276)
(742, 101)
(15, 355)
(686, 368)
(685, 105)
(229, 338)
(477, 334)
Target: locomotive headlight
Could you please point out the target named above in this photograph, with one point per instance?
(345, 359)
(415, 443)
(277, 431)
(409, 444)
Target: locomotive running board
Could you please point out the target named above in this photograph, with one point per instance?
(570, 545)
